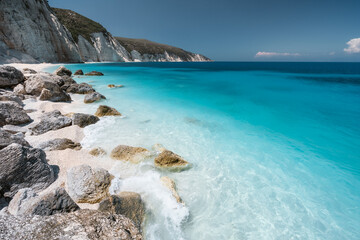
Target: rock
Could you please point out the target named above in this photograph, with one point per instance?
(87, 185)
(158, 147)
(10, 96)
(19, 89)
(82, 88)
(63, 71)
(94, 73)
(79, 72)
(168, 159)
(27, 202)
(10, 76)
(97, 151)
(12, 113)
(93, 97)
(54, 96)
(128, 204)
(104, 110)
(51, 121)
(23, 167)
(83, 120)
(7, 138)
(82, 224)
(14, 129)
(170, 184)
(36, 83)
(128, 153)
(115, 86)
(29, 71)
(59, 144)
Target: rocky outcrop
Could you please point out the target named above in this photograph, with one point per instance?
(94, 73)
(98, 151)
(28, 202)
(170, 160)
(23, 167)
(82, 120)
(10, 76)
(80, 88)
(59, 144)
(12, 113)
(170, 184)
(82, 224)
(51, 121)
(93, 97)
(63, 71)
(131, 154)
(128, 204)
(7, 138)
(104, 110)
(79, 72)
(88, 185)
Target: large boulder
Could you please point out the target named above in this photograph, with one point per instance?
(94, 73)
(170, 184)
(28, 202)
(51, 121)
(93, 97)
(54, 96)
(104, 110)
(12, 113)
(23, 167)
(82, 120)
(10, 76)
(80, 88)
(128, 204)
(79, 72)
(7, 138)
(170, 160)
(131, 154)
(88, 185)
(59, 144)
(82, 224)
(63, 71)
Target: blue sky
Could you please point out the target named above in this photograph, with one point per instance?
(236, 30)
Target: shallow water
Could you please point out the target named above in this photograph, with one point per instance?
(275, 147)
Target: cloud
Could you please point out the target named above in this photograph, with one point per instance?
(354, 46)
(275, 54)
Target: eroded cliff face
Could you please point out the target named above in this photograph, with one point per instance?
(30, 32)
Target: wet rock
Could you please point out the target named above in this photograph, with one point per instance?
(83, 120)
(170, 184)
(27, 202)
(128, 153)
(82, 88)
(81, 224)
(51, 121)
(93, 97)
(128, 204)
(104, 110)
(19, 89)
(94, 73)
(63, 71)
(10, 76)
(79, 72)
(88, 185)
(7, 138)
(12, 113)
(98, 151)
(168, 159)
(59, 144)
(23, 167)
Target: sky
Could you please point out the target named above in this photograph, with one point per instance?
(236, 30)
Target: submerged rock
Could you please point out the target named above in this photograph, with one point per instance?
(88, 185)
(131, 154)
(168, 159)
(63, 71)
(93, 97)
(51, 121)
(79, 72)
(12, 113)
(81, 88)
(97, 151)
(115, 86)
(128, 204)
(81, 224)
(7, 138)
(59, 144)
(158, 147)
(10, 76)
(82, 120)
(23, 167)
(104, 110)
(94, 73)
(170, 184)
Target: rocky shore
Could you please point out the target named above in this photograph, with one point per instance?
(51, 187)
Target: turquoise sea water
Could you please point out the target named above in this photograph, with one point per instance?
(275, 147)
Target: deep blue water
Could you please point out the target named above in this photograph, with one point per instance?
(275, 146)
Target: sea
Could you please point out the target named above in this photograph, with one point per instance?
(274, 146)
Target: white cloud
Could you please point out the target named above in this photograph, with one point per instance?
(354, 46)
(275, 54)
